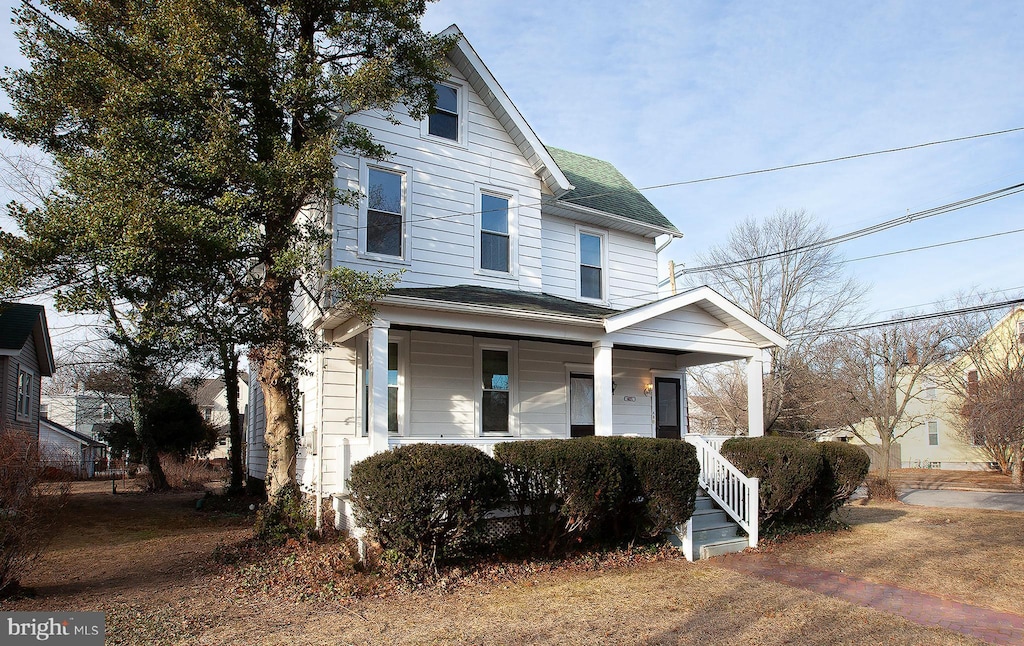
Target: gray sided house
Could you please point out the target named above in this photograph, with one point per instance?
(528, 306)
(25, 358)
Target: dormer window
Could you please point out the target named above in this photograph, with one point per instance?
(443, 120)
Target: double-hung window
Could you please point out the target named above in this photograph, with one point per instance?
(384, 212)
(495, 398)
(495, 240)
(933, 433)
(443, 120)
(591, 256)
(24, 403)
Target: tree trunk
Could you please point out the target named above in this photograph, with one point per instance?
(280, 429)
(156, 471)
(140, 376)
(1017, 466)
(884, 450)
(229, 364)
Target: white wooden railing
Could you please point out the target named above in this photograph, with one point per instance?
(726, 485)
(485, 444)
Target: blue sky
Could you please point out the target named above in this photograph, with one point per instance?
(675, 91)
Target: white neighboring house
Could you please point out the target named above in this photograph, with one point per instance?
(211, 397)
(528, 307)
(68, 450)
(86, 412)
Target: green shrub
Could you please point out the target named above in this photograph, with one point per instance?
(563, 490)
(786, 467)
(844, 468)
(426, 501)
(667, 472)
(566, 490)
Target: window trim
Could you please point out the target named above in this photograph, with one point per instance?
(364, 207)
(928, 431)
(512, 196)
(401, 339)
(462, 100)
(19, 414)
(603, 235)
(512, 347)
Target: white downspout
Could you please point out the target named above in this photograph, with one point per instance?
(318, 434)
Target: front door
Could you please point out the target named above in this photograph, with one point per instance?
(666, 408)
(581, 405)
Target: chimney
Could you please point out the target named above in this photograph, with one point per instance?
(912, 354)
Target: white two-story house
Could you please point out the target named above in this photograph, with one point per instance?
(528, 305)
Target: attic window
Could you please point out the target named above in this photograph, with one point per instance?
(444, 118)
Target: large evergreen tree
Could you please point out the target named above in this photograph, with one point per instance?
(191, 136)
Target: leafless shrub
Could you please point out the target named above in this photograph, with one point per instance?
(29, 506)
(190, 474)
(881, 489)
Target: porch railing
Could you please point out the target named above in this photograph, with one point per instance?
(734, 492)
(485, 444)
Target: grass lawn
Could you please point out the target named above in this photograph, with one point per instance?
(146, 561)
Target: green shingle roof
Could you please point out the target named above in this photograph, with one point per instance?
(506, 299)
(599, 185)
(16, 323)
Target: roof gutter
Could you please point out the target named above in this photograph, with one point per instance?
(586, 210)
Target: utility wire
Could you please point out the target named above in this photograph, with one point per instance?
(720, 177)
(859, 233)
(914, 318)
(931, 246)
(940, 302)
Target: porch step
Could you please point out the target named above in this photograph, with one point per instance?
(713, 532)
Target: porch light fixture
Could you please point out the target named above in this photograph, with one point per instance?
(648, 389)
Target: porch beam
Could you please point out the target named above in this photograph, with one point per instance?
(755, 397)
(377, 380)
(602, 388)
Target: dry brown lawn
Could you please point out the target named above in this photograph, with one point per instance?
(146, 561)
(973, 556)
(951, 479)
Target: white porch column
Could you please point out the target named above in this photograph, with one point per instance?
(755, 397)
(377, 380)
(602, 388)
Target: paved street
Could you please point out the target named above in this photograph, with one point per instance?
(965, 499)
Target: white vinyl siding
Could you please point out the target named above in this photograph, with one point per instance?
(442, 236)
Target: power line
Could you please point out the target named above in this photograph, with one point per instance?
(915, 317)
(940, 302)
(953, 242)
(859, 233)
(720, 177)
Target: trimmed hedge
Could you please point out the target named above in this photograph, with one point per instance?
(562, 489)
(426, 501)
(800, 481)
(567, 490)
(786, 467)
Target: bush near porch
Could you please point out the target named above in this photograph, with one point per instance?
(801, 482)
(429, 503)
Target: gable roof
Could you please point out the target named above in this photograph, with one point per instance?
(64, 430)
(600, 186)
(469, 63)
(18, 321)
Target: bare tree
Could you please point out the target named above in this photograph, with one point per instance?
(781, 271)
(986, 383)
(875, 377)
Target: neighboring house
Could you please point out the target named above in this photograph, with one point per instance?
(211, 397)
(87, 412)
(26, 356)
(936, 441)
(70, 451)
(528, 306)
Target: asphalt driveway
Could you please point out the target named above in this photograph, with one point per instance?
(965, 499)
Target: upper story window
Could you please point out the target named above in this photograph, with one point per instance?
(495, 238)
(591, 257)
(933, 433)
(385, 211)
(24, 403)
(443, 120)
(107, 411)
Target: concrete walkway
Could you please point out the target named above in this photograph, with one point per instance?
(921, 608)
(966, 499)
